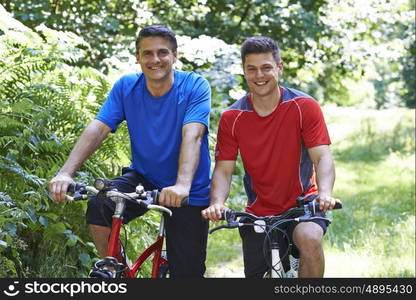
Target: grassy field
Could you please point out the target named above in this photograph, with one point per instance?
(374, 234)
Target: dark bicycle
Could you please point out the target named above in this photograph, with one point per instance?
(272, 227)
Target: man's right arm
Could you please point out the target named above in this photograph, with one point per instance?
(88, 142)
(220, 188)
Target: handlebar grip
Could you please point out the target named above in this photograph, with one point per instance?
(225, 213)
(156, 194)
(314, 205)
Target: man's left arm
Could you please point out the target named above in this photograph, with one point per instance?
(325, 175)
(192, 134)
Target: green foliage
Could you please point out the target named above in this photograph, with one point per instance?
(409, 75)
(289, 22)
(45, 104)
(105, 32)
(329, 40)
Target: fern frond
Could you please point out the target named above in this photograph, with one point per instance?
(14, 167)
(6, 200)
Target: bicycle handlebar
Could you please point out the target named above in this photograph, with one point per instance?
(303, 213)
(104, 188)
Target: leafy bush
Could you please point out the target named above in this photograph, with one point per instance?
(45, 104)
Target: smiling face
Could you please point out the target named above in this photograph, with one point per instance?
(262, 72)
(156, 59)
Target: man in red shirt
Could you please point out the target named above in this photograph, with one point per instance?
(284, 145)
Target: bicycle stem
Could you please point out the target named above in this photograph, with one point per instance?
(120, 205)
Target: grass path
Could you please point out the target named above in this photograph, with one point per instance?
(228, 269)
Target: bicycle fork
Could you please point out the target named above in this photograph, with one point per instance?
(113, 241)
(116, 260)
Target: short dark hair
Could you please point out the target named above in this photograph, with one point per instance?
(260, 44)
(160, 31)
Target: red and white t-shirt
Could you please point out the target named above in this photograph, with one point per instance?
(273, 149)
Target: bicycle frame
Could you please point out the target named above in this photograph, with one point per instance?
(277, 270)
(276, 267)
(114, 246)
(155, 248)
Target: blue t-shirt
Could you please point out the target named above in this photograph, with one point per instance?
(155, 127)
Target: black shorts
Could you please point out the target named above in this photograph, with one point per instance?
(186, 230)
(256, 261)
(100, 210)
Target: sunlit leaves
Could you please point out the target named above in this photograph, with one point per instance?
(44, 105)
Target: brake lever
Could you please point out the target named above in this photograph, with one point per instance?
(219, 227)
(79, 194)
(229, 225)
(310, 213)
(151, 198)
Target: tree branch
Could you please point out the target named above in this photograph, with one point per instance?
(245, 13)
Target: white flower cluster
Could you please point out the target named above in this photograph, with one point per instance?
(218, 61)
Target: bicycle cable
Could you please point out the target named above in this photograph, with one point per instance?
(268, 238)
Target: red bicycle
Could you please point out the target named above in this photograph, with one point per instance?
(116, 264)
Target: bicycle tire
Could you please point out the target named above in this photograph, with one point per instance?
(163, 271)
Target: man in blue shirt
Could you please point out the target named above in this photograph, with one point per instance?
(167, 115)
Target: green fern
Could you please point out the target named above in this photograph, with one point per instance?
(45, 105)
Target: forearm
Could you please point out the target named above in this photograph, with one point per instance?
(188, 160)
(325, 175)
(220, 187)
(88, 142)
